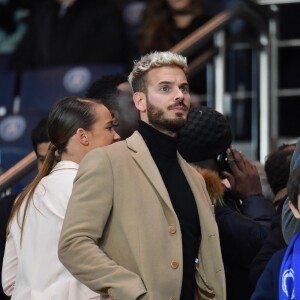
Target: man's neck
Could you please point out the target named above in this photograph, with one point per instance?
(172, 134)
(169, 133)
(157, 141)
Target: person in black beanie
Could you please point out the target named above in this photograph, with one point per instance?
(206, 135)
(242, 213)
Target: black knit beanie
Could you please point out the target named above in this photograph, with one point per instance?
(205, 135)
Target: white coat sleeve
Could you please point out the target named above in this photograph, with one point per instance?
(10, 265)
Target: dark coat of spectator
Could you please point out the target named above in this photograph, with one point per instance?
(242, 233)
(86, 32)
(165, 23)
(268, 285)
(242, 213)
(273, 243)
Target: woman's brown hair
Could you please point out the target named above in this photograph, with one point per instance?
(156, 29)
(69, 114)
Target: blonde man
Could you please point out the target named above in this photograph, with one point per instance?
(146, 229)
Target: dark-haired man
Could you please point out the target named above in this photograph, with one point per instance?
(115, 92)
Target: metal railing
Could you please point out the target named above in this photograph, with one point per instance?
(17, 172)
(215, 31)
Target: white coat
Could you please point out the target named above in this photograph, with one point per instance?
(32, 270)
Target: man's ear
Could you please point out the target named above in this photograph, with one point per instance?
(139, 99)
(294, 210)
(82, 136)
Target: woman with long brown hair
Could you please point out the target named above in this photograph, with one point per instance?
(31, 268)
(167, 22)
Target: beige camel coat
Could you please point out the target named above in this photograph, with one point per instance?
(121, 235)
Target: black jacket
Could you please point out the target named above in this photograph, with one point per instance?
(243, 229)
(273, 243)
(90, 31)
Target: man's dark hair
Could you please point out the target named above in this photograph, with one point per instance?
(39, 134)
(277, 167)
(106, 90)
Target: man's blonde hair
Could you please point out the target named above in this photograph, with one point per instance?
(137, 77)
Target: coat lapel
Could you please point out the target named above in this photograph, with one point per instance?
(145, 161)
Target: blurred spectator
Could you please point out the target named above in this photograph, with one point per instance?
(280, 279)
(266, 189)
(13, 23)
(273, 243)
(242, 213)
(167, 22)
(65, 32)
(115, 92)
(132, 11)
(290, 225)
(40, 141)
(277, 167)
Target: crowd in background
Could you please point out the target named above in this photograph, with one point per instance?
(250, 222)
(55, 32)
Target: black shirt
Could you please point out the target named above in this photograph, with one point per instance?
(163, 149)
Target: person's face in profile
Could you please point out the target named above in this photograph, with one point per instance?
(127, 113)
(103, 131)
(41, 151)
(295, 210)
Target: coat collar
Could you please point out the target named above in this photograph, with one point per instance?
(65, 164)
(145, 161)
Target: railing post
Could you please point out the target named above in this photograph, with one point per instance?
(274, 99)
(210, 86)
(219, 63)
(255, 104)
(264, 97)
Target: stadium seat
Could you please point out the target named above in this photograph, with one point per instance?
(15, 131)
(40, 89)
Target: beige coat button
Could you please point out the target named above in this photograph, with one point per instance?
(172, 229)
(172, 298)
(174, 264)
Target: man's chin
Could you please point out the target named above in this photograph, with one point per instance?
(177, 124)
(181, 114)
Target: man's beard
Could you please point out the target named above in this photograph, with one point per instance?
(156, 119)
